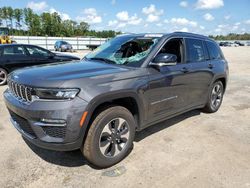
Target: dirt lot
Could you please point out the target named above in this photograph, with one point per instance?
(191, 150)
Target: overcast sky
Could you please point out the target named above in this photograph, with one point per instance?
(199, 16)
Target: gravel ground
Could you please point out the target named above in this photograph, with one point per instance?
(191, 150)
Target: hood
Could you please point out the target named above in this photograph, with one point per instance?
(55, 75)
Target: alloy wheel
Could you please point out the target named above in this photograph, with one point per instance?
(3, 77)
(114, 137)
(216, 96)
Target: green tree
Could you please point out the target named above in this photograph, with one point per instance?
(68, 27)
(56, 22)
(5, 15)
(10, 14)
(18, 15)
(28, 15)
(81, 29)
(1, 16)
(35, 25)
(46, 24)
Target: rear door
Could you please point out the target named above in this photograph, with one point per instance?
(200, 71)
(215, 55)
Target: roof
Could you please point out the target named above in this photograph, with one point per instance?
(177, 34)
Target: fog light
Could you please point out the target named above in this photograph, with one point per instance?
(59, 121)
(50, 123)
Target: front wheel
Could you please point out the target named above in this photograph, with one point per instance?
(3, 76)
(110, 137)
(215, 97)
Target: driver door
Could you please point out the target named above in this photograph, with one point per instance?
(39, 55)
(168, 85)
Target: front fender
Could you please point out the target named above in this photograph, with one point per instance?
(107, 97)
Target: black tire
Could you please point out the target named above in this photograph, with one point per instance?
(93, 150)
(3, 76)
(214, 99)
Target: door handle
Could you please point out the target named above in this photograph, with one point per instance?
(210, 65)
(184, 70)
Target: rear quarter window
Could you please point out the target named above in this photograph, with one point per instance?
(214, 51)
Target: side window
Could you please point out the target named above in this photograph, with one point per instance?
(195, 50)
(174, 46)
(213, 51)
(35, 51)
(13, 50)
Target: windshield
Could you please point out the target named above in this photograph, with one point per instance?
(124, 50)
(3, 31)
(63, 42)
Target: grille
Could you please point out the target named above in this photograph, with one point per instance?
(21, 92)
(58, 132)
(23, 124)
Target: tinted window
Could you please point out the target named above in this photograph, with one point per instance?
(35, 51)
(213, 51)
(13, 50)
(195, 50)
(174, 46)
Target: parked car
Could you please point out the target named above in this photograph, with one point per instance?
(129, 83)
(229, 44)
(233, 44)
(222, 43)
(15, 56)
(63, 46)
(239, 43)
(248, 43)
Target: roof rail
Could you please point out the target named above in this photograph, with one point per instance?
(191, 34)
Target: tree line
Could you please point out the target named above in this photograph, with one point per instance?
(232, 36)
(27, 22)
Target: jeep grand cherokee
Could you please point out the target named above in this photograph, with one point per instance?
(127, 84)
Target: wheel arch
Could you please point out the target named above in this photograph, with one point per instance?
(223, 80)
(2, 67)
(129, 100)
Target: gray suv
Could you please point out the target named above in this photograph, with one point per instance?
(125, 85)
(63, 46)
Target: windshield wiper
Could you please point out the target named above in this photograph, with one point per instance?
(109, 61)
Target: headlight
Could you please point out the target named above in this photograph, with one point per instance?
(56, 93)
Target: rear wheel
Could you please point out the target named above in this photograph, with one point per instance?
(110, 137)
(3, 76)
(215, 97)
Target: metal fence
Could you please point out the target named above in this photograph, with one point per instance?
(78, 43)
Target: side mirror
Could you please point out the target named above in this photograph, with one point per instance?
(164, 59)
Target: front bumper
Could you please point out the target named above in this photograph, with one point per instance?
(66, 48)
(33, 121)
